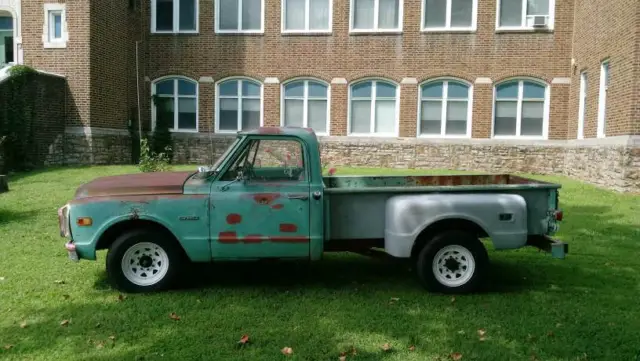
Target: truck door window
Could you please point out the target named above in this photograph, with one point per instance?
(277, 160)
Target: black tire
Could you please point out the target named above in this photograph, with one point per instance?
(453, 238)
(128, 239)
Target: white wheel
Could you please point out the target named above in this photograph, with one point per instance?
(145, 264)
(453, 265)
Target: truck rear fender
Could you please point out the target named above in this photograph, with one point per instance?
(411, 220)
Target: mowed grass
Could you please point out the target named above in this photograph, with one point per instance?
(584, 307)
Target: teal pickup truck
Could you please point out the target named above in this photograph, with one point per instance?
(266, 198)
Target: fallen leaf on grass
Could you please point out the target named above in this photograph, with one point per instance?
(456, 356)
(8, 347)
(412, 348)
(60, 282)
(353, 351)
(550, 334)
(23, 324)
(461, 332)
(287, 351)
(112, 338)
(121, 297)
(386, 347)
(343, 356)
(99, 344)
(481, 332)
(2, 278)
(558, 325)
(64, 323)
(244, 339)
(453, 300)
(534, 357)
(395, 299)
(66, 297)
(174, 317)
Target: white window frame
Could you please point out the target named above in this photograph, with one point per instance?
(305, 121)
(48, 31)
(448, 27)
(545, 115)
(582, 104)
(176, 19)
(306, 29)
(602, 98)
(176, 97)
(523, 18)
(375, 28)
(443, 115)
(372, 120)
(238, 30)
(239, 97)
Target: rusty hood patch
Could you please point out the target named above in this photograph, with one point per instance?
(134, 184)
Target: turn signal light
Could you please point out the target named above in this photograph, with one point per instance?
(84, 221)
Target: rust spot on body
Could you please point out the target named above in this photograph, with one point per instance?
(234, 218)
(277, 206)
(288, 227)
(269, 130)
(265, 198)
(228, 237)
(253, 238)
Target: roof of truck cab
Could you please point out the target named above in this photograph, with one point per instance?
(303, 133)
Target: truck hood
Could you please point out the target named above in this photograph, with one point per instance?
(134, 184)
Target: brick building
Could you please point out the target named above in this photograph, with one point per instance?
(547, 86)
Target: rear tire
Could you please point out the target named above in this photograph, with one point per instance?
(453, 262)
(143, 260)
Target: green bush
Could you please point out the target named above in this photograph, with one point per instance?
(151, 161)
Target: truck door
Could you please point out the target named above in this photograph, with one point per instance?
(260, 203)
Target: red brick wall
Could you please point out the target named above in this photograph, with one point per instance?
(411, 54)
(607, 29)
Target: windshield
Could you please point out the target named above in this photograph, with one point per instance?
(224, 155)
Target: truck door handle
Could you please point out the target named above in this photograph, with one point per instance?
(303, 197)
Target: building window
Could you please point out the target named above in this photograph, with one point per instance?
(55, 29)
(582, 108)
(374, 108)
(175, 103)
(602, 99)
(239, 16)
(6, 40)
(524, 14)
(312, 16)
(376, 15)
(174, 16)
(449, 15)
(306, 104)
(445, 109)
(521, 109)
(238, 105)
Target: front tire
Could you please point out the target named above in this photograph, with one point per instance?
(143, 261)
(453, 262)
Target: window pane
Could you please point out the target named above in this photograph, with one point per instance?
(164, 15)
(362, 90)
(461, 13)
(229, 88)
(187, 114)
(251, 14)
(187, 14)
(456, 118)
(164, 111)
(505, 123)
(319, 14)
(385, 116)
(186, 87)
(533, 91)
(228, 16)
(250, 114)
(6, 23)
(293, 113)
(57, 26)
(432, 90)
(508, 90)
(317, 117)
(250, 88)
(165, 87)
(295, 89)
(388, 14)
(317, 90)
(435, 13)
(295, 14)
(537, 7)
(532, 114)
(360, 116)
(431, 115)
(363, 18)
(385, 90)
(457, 90)
(228, 114)
(510, 12)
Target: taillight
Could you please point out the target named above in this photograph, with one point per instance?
(559, 216)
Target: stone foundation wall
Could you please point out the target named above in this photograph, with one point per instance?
(96, 146)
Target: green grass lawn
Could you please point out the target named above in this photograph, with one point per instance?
(585, 307)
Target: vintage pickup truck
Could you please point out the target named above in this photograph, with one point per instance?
(266, 198)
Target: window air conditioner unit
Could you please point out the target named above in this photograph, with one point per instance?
(539, 21)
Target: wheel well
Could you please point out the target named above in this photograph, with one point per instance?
(451, 224)
(113, 232)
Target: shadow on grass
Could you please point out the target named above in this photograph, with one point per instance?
(9, 216)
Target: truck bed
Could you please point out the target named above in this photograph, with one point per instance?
(355, 205)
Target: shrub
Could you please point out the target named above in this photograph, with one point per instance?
(151, 161)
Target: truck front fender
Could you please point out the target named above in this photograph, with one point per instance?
(502, 217)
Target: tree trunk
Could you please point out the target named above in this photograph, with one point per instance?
(4, 184)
